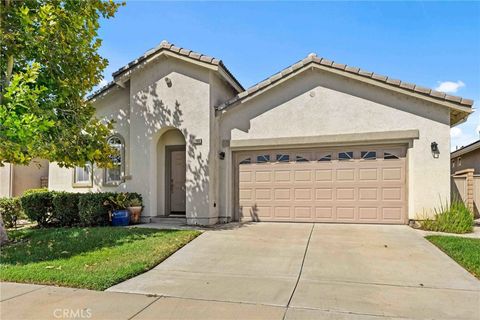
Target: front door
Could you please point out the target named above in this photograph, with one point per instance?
(177, 180)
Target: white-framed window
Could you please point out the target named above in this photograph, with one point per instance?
(114, 175)
(83, 176)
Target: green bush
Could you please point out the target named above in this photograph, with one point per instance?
(38, 207)
(453, 218)
(30, 191)
(65, 208)
(92, 210)
(11, 210)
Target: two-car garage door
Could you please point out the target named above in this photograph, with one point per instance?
(348, 184)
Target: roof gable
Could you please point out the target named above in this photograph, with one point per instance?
(460, 107)
(170, 49)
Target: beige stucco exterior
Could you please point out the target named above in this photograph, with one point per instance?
(15, 179)
(171, 101)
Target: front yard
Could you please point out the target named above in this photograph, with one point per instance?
(92, 258)
(465, 251)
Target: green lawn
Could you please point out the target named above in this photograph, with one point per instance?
(466, 251)
(93, 258)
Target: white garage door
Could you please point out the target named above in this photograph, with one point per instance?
(348, 184)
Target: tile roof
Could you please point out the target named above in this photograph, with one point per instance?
(313, 58)
(167, 46)
(466, 149)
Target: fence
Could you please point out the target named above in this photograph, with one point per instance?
(466, 185)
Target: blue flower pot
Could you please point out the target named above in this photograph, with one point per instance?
(120, 218)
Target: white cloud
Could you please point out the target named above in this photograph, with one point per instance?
(102, 83)
(456, 132)
(449, 86)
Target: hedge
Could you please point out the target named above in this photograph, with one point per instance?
(38, 206)
(11, 210)
(92, 210)
(65, 208)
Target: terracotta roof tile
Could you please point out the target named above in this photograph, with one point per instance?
(312, 58)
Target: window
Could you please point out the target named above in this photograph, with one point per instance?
(453, 163)
(389, 156)
(263, 158)
(326, 157)
(115, 174)
(345, 155)
(459, 161)
(283, 158)
(301, 159)
(368, 155)
(83, 176)
(246, 161)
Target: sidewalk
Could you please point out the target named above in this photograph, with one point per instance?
(37, 302)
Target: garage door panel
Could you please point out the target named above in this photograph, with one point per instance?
(302, 194)
(315, 185)
(323, 175)
(323, 194)
(345, 175)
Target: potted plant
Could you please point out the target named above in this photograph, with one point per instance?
(119, 202)
(135, 207)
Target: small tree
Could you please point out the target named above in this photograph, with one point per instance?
(48, 63)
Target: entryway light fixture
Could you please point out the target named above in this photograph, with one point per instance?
(168, 82)
(221, 155)
(435, 151)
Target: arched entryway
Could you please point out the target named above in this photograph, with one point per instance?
(171, 173)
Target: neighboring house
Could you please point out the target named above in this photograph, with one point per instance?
(465, 169)
(15, 179)
(467, 157)
(318, 141)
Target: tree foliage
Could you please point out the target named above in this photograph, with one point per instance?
(48, 63)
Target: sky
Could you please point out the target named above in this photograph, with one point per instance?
(433, 44)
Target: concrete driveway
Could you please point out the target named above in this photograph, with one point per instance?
(307, 271)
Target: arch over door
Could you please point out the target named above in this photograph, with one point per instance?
(344, 184)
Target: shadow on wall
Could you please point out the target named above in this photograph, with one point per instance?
(158, 118)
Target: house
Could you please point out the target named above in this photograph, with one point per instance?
(16, 179)
(467, 157)
(465, 169)
(318, 141)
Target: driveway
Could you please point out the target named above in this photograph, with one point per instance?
(305, 271)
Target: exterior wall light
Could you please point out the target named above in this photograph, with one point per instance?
(435, 151)
(221, 155)
(168, 81)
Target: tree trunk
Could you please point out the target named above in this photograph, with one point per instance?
(3, 232)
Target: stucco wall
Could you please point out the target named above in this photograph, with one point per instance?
(469, 160)
(114, 106)
(5, 180)
(320, 103)
(15, 179)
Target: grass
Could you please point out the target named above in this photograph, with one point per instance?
(92, 258)
(465, 251)
(452, 218)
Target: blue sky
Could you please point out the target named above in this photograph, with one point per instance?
(434, 44)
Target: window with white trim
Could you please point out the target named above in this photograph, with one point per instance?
(114, 175)
(83, 176)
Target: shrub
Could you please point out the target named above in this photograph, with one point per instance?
(453, 218)
(30, 191)
(92, 210)
(38, 207)
(11, 210)
(65, 208)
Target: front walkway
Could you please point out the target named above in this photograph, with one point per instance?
(277, 271)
